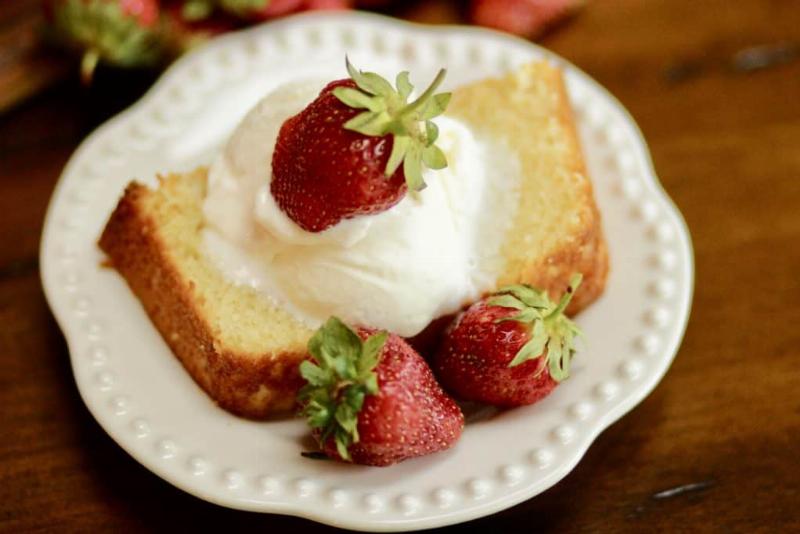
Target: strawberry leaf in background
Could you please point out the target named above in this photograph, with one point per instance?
(125, 33)
(194, 10)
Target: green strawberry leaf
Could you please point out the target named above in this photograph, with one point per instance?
(343, 441)
(369, 123)
(506, 301)
(552, 333)
(243, 8)
(369, 82)
(193, 10)
(358, 100)
(390, 113)
(399, 149)
(527, 315)
(404, 87)
(534, 347)
(434, 158)
(346, 418)
(412, 167)
(339, 377)
(435, 106)
(371, 352)
(559, 359)
(431, 132)
(319, 414)
(530, 296)
(314, 374)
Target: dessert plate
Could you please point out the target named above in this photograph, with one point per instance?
(142, 397)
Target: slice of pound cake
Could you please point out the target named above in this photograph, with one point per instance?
(556, 230)
(244, 349)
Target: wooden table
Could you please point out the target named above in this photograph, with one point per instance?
(715, 447)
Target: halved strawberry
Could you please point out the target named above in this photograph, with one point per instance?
(371, 399)
(356, 149)
(510, 349)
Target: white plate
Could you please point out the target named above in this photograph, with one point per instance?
(143, 398)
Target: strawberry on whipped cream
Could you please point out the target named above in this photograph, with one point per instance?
(427, 256)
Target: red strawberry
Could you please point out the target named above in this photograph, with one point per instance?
(528, 18)
(371, 399)
(270, 8)
(120, 32)
(186, 32)
(243, 9)
(258, 9)
(276, 8)
(314, 5)
(508, 350)
(341, 156)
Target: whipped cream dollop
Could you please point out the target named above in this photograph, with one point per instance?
(397, 270)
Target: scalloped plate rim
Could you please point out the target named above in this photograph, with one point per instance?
(439, 518)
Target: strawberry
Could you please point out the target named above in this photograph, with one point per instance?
(510, 349)
(341, 156)
(124, 33)
(258, 9)
(185, 33)
(528, 18)
(144, 11)
(194, 10)
(275, 8)
(314, 5)
(371, 399)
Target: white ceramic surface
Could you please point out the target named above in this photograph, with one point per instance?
(142, 397)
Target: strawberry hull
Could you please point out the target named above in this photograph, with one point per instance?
(388, 405)
(508, 350)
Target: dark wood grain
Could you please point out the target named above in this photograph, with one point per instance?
(713, 448)
(27, 64)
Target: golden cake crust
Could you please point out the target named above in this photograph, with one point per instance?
(251, 385)
(557, 229)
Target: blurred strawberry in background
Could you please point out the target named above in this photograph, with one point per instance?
(146, 33)
(329, 4)
(183, 31)
(124, 33)
(242, 9)
(257, 10)
(527, 18)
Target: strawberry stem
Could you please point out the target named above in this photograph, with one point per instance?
(424, 97)
(551, 332)
(88, 65)
(574, 282)
(410, 124)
